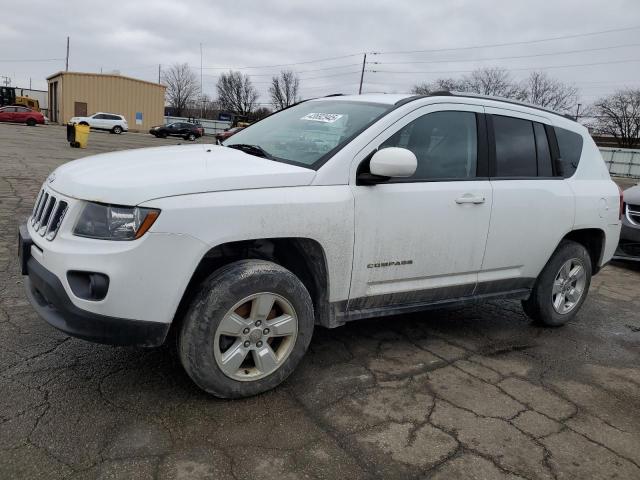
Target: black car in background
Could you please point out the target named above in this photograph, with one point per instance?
(186, 130)
(629, 246)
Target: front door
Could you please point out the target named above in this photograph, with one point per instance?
(422, 239)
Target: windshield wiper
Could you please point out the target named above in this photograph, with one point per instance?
(251, 150)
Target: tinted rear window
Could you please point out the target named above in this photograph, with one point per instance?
(570, 145)
(515, 147)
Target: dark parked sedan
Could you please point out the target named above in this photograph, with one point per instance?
(629, 246)
(188, 131)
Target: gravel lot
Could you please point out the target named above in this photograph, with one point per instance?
(474, 392)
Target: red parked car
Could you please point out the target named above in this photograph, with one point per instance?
(18, 114)
(227, 133)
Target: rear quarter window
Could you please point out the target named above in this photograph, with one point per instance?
(570, 146)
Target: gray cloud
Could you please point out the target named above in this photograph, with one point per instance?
(134, 37)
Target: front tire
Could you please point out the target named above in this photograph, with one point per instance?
(246, 330)
(191, 137)
(562, 287)
(31, 122)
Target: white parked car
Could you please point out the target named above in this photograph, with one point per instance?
(104, 121)
(334, 210)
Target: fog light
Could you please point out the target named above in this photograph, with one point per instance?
(88, 285)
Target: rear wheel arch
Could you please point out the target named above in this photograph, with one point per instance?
(304, 257)
(593, 239)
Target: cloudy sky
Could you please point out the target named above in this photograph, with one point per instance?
(593, 44)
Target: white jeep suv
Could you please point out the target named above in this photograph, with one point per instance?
(104, 121)
(333, 210)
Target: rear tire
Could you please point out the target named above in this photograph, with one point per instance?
(561, 287)
(117, 129)
(246, 329)
(191, 137)
(31, 122)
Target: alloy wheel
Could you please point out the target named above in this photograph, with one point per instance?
(255, 337)
(568, 286)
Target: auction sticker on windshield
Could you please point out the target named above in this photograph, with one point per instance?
(322, 117)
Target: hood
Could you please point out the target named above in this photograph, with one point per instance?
(632, 195)
(131, 177)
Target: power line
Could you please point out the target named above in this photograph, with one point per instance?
(284, 64)
(34, 60)
(510, 69)
(295, 71)
(511, 57)
(508, 44)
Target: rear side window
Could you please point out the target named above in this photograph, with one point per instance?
(570, 146)
(445, 144)
(515, 147)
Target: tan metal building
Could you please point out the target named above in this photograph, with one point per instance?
(73, 94)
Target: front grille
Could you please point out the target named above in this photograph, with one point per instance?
(633, 214)
(47, 215)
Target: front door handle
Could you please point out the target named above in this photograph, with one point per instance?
(476, 200)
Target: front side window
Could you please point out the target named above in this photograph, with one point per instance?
(444, 143)
(515, 147)
(308, 133)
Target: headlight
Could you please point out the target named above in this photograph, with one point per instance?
(112, 222)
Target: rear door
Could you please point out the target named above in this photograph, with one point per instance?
(533, 206)
(22, 114)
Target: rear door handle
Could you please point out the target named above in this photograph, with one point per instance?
(476, 200)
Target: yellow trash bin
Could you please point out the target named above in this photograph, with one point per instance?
(82, 135)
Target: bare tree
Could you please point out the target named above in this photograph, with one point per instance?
(259, 113)
(439, 85)
(236, 93)
(618, 115)
(542, 90)
(284, 89)
(182, 86)
(492, 81)
(483, 81)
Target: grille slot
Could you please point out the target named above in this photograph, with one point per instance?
(38, 215)
(633, 214)
(56, 220)
(48, 213)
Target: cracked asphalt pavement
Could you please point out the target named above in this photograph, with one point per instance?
(476, 392)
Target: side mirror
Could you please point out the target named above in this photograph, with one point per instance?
(388, 163)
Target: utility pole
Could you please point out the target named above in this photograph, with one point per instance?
(578, 111)
(159, 70)
(201, 96)
(66, 67)
(364, 62)
(29, 83)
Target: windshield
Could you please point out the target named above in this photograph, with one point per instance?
(308, 133)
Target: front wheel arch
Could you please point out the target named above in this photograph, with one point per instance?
(305, 257)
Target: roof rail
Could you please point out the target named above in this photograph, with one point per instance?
(447, 93)
(334, 95)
